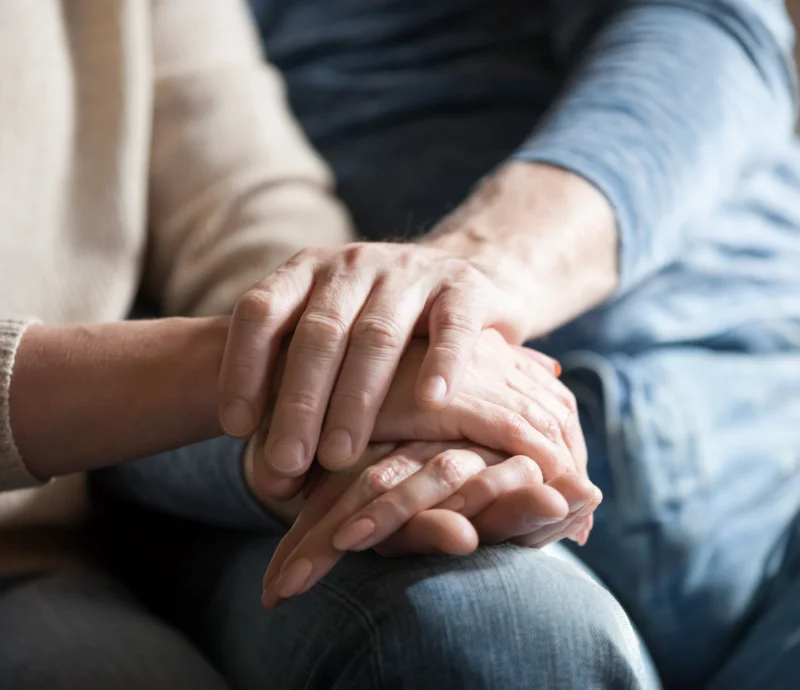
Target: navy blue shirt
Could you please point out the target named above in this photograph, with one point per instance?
(411, 102)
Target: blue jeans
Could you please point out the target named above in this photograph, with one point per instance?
(698, 539)
(82, 630)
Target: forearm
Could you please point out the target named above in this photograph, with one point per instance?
(666, 104)
(86, 396)
(546, 234)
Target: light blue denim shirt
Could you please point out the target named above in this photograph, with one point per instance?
(682, 113)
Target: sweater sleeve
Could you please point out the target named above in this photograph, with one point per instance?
(13, 473)
(235, 187)
(667, 103)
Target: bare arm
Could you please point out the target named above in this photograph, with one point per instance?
(86, 396)
(545, 235)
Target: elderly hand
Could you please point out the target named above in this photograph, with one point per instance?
(417, 499)
(351, 312)
(510, 400)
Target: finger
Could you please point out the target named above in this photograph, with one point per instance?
(328, 489)
(554, 533)
(531, 367)
(512, 428)
(437, 480)
(520, 511)
(316, 545)
(583, 535)
(271, 486)
(432, 532)
(457, 317)
(557, 420)
(583, 499)
(577, 490)
(313, 360)
(261, 318)
(576, 526)
(552, 365)
(266, 484)
(480, 491)
(378, 339)
(310, 515)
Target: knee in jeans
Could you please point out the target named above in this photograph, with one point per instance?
(504, 618)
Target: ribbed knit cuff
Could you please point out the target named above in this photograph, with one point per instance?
(13, 473)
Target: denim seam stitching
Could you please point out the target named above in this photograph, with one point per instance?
(364, 617)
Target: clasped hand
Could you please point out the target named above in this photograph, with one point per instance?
(445, 491)
(490, 448)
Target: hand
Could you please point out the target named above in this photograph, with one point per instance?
(351, 312)
(510, 400)
(386, 502)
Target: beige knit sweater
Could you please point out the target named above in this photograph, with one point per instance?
(142, 143)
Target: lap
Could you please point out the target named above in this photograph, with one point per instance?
(696, 455)
(83, 631)
(505, 617)
(698, 495)
(768, 653)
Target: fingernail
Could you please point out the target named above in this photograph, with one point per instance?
(542, 521)
(238, 418)
(351, 535)
(286, 456)
(337, 447)
(269, 601)
(434, 388)
(557, 366)
(294, 578)
(454, 503)
(579, 505)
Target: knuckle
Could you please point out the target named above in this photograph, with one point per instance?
(241, 363)
(550, 428)
(466, 273)
(527, 469)
(257, 304)
(359, 399)
(546, 423)
(407, 259)
(391, 509)
(379, 479)
(354, 254)
(377, 331)
(448, 469)
(517, 427)
(322, 327)
(562, 461)
(484, 486)
(570, 422)
(295, 260)
(457, 319)
(301, 402)
(569, 401)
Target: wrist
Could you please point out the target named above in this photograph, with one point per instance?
(84, 396)
(545, 235)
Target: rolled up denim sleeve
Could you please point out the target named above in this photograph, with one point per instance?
(666, 104)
